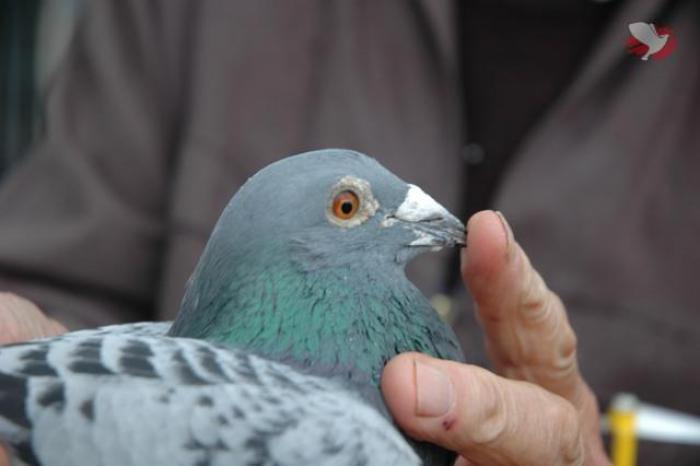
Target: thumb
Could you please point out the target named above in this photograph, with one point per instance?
(485, 418)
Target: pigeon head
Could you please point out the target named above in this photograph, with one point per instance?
(306, 266)
(331, 208)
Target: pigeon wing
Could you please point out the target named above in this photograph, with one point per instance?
(136, 329)
(118, 399)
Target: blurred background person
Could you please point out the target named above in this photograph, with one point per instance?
(156, 112)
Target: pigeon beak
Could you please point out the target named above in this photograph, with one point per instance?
(433, 225)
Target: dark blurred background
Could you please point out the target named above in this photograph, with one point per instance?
(34, 35)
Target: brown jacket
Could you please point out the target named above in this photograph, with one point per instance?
(161, 112)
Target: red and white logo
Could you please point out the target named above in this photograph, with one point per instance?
(648, 41)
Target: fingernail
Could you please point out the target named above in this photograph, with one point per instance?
(434, 391)
(507, 231)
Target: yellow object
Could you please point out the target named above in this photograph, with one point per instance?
(623, 431)
(443, 306)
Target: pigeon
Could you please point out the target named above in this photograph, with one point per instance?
(647, 35)
(296, 304)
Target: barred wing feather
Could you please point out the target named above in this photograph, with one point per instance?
(132, 397)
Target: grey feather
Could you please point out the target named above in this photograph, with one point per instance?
(96, 404)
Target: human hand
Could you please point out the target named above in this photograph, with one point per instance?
(21, 320)
(539, 410)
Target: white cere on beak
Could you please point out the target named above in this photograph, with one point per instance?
(418, 206)
(431, 223)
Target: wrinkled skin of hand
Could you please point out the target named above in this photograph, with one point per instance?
(21, 320)
(536, 409)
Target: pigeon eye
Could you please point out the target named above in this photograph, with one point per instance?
(350, 202)
(345, 205)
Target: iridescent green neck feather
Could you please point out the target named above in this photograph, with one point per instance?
(333, 321)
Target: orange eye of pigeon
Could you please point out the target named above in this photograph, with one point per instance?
(345, 205)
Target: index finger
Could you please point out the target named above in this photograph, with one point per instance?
(527, 332)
